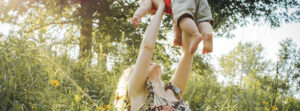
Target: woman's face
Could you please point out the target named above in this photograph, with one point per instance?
(155, 70)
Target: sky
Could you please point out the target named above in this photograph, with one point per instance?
(4, 28)
(268, 37)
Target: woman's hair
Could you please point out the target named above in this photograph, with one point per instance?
(121, 91)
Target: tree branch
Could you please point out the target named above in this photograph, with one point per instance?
(45, 25)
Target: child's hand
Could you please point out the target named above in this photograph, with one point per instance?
(135, 21)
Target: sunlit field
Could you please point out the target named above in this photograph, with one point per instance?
(70, 54)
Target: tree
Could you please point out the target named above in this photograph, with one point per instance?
(100, 29)
(72, 16)
(246, 62)
(102, 22)
(288, 67)
(245, 59)
(230, 13)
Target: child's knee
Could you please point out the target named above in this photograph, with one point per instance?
(184, 16)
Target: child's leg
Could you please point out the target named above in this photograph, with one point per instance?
(188, 25)
(205, 29)
(178, 37)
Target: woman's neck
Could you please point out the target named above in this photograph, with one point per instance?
(158, 86)
(155, 81)
(159, 89)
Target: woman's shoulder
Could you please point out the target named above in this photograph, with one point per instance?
(137, 102)
(139, 99)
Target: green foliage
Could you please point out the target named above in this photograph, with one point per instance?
(96, 23)
(230, 13)
(34, 77)
(28, 71)
(261, 92)
(40, 67)
(245, 59)
(288, 67)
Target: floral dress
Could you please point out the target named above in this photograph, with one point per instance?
(156, 103)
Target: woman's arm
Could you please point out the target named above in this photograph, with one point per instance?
(141, 69)
(184, 67)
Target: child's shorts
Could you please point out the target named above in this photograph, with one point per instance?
(199, 10)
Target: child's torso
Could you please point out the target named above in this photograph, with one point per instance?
(168, 8)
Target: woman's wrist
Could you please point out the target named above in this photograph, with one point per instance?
(160, 10)
(161, 6)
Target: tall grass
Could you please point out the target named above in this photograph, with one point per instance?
(34, 77)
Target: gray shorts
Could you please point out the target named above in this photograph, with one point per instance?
(199, 10)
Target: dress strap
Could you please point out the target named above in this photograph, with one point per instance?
(150, 97)
(149, 85)
(174, 88)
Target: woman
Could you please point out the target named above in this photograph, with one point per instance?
(141, 85)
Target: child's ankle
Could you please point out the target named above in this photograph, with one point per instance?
(197, 34)
(208, 35)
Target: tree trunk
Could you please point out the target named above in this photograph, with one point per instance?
(86, 23)
(102, 61)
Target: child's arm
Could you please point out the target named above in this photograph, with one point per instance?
(141, 12)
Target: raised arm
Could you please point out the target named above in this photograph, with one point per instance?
(184, 67)
(141, 69)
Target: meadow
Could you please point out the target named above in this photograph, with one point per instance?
(69, 55)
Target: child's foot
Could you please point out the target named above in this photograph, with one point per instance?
(178, 40)
(196, 39)
(207, 44)
(178, 36)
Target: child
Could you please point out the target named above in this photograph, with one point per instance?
(186, 14)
